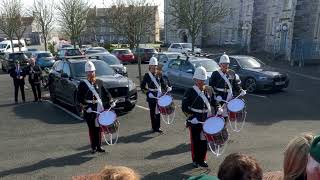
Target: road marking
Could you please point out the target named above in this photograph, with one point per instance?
(147, 109)
(65, 110)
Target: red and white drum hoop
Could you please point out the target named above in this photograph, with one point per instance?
(109, 126)
(216, 133)
(236, 114)
(166, 108)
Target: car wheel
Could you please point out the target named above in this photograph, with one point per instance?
(250, 85)
(127, 109)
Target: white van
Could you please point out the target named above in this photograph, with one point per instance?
(6, 46)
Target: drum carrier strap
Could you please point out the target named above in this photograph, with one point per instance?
(99, 101)
(204, 98)
(230, 93)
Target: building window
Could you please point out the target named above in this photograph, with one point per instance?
(226, 35)
(234, 35)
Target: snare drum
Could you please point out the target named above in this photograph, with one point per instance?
(236, 109)
(108, 122)
(215, 130)
(166, 105)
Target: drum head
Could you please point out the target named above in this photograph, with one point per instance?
(165, 100)
(107, 118)
(235, 105)
(213, 125)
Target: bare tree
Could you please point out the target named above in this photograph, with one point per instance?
(192, 15)
(43, 13)
(73, 16)
(21, 24)
(132, 19)
(9, 15)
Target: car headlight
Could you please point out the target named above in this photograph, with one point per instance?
(263, 78)
(132, 85)
(124, 69)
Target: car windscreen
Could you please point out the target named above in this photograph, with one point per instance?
(2, 46)
(249, 62)
(99, 49)
(186, 45)
(92, 51)
(73, 52)
(150, 50)
(209, 65)
(42, 55)
(124, 51)
(102, 69)
(111, 60)
(19, 56)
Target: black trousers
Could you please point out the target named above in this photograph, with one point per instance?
(155, 118)
(198, 146)
(18, 84)
(94, 132)
(36, 89)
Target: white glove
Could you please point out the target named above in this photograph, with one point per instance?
(113, 104)
(150, 95)
(243, 92)
(89, 110)
(220, 111)
(169, 89)
(194, 121)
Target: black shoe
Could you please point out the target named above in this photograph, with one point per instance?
(195, 165)
(203, 164)
(93, 151)
(101, 150)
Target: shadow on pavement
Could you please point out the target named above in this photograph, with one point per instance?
(182, 148)
(176, 173)
(136, 138)
(45, 112)
(70, 160)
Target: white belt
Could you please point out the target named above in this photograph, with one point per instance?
(91, 101)
(222, 90)
(153, 90)
(199, 110)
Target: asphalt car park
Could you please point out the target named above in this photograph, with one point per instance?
(41, 141)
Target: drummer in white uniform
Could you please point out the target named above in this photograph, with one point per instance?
(154, 86)
(198, 106)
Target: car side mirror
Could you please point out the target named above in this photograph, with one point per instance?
(64, 75)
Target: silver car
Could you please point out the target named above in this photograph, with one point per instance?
(179, 72)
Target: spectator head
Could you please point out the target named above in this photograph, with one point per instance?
(32, 61)
(111, 173)
(296, 157)
(313, 166)
(241, 167)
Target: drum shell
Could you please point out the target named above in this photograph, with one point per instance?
(218, 138)
(112, 128)
(166, 110)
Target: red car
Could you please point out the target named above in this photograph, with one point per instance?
(124, 55)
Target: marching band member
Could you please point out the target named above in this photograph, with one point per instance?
(198, 106)
(225, 82)
(89, 99)
(156, 86)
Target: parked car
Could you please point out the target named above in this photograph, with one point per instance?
(66, 75)
(144, 53)
(44, 59)
(255, 75)
(164, 57)
(113, 62)
(124, 55)
(28, 41)
(69, 53)
(65, 46)
(97, 49)
(9, 59)
(183, 48)
(179, 72)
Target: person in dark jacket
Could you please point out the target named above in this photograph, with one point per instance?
(88, 95)
(18, 75)
(153, 85)
(225, 82)
(34, 76)
(198, 105)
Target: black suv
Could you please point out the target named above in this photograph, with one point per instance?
(67, 74)
(8, 60)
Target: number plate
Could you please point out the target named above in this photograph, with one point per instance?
(280, 83)
(121, 100)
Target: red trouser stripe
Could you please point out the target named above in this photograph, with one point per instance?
(192, 145)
